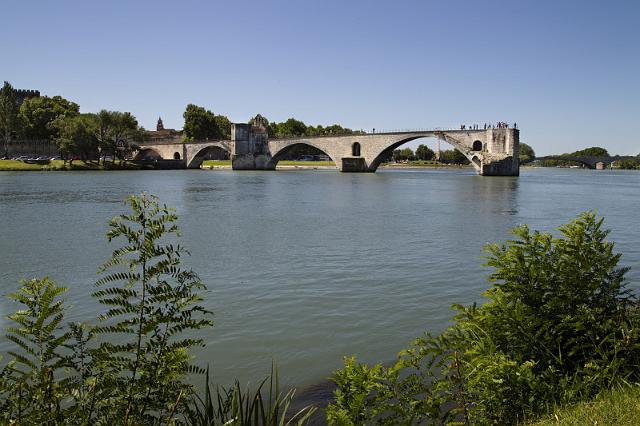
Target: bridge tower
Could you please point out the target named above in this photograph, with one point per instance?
(251, 145)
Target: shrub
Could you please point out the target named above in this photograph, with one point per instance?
(129, 369)
(559, 326)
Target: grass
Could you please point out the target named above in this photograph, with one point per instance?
(16, 165)
(306, 163)
(616, 407)
(216, 163)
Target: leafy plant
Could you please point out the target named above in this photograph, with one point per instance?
(31, 384)
(153, 304)
(559, 326)
(237, 407)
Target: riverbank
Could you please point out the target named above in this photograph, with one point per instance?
(61, 165)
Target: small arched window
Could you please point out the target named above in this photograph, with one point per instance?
(477, 146)
(355, 149)
(176, 156)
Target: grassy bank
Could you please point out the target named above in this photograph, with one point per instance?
(617, 407)
(15, 165)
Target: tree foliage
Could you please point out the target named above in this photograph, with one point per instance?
(405, 154)
(559, 326)
(424, 153)
(38, 115)
(293, 128)
(527, 154)
(77, 135)
(594, 151)
(200, 124)
(628, 164)
(453, 156)
(9, 122)
(117, 133)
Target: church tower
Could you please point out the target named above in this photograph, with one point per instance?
(160, 125)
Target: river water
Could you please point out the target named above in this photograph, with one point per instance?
(304, 267)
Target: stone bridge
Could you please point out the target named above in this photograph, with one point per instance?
(590, 162)
(492, 152)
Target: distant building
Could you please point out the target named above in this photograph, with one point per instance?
(23, 94)
(164, 135)
(600, 165)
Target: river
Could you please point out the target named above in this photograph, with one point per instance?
(304, 267)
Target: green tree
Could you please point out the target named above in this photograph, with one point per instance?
(38, 114)
(628, 164)
(594, 151)
(291, 127)
(527, 154)
(117, 133)
(77, 135)
(405, 154)
(9, 122)
(453, 156)
(424, 153)
(224, 126)
(200, 124)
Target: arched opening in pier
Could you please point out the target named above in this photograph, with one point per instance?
(148, 154)
(213, 153)
(176, 155)
(477, 146)
(302, 152)
(355, 149)
(423, 149)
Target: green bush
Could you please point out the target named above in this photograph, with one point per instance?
(559, 326)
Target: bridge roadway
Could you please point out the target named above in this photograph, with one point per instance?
(491, 152)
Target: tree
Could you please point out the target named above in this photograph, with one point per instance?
(527, 154)
(594, 151)
(291, 127)
(424, 153)
(453, 156)
(224, 126)
(405, 154)
(38, 114)
(200, 124)
(116, 131)
(77, 135)
(9, 122)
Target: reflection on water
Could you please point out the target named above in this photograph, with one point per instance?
(306, 266)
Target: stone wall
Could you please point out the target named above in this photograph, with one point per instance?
(32, 148)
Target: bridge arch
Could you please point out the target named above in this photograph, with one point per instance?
(466, 151)
(211, 152)
(147, 154)
(283, 151)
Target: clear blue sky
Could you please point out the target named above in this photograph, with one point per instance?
(568, 72)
